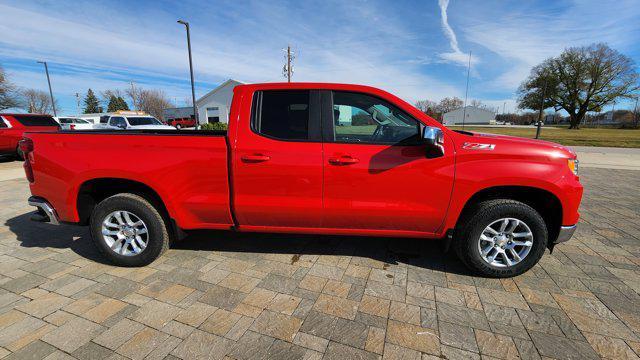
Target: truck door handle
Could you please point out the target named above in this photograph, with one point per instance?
(343, 160)
(256, 158)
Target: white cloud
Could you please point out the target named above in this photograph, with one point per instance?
(124, 46)
(522, 36)
(456, 55)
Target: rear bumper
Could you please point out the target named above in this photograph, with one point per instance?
(566, 232)
(46, 212)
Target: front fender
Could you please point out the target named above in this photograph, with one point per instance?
(477, 175)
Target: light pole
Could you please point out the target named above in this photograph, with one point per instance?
(544, 90)
(53, 104)
(193, 87)
(635, 113)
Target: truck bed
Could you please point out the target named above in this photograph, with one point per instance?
(187, 169)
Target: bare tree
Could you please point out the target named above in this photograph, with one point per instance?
(426, 105)
(9, 94)
(37, 101)
(107, 95)
(449, 104)
(153, 102)
(580, 80)
(134, 95)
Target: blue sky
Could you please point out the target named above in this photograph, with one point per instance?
(405, 47)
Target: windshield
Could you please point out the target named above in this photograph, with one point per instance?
(147, 120)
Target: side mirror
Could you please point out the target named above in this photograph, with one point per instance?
(432, 136)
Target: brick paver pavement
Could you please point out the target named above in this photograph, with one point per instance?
(245, 296)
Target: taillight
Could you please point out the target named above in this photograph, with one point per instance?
(26, 147)
(72, 127)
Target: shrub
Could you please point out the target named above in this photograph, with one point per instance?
(214, 126)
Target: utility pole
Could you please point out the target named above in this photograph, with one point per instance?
(78, 103)
(613, 113)
(133, 96)
(287, 70)
(544, 90)
(635, 113)
(53, 104)
(504, 104)
(193, 86)
(466, 93)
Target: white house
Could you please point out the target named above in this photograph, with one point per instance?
(472, 115)
(215, 105)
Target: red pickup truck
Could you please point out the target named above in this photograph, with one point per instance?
(182, 123)
(13, 126)
(311, 158)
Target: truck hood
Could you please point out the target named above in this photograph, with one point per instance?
(506, 143)
(151, 127)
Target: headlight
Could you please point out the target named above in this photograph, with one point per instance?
(573, 166)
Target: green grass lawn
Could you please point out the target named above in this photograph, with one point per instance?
(582, 137)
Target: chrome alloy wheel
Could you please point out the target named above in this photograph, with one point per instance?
(125, 233)
(505, 242)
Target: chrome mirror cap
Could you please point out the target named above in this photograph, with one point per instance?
(432, 136)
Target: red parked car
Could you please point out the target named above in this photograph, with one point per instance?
(13, 126)
(311, 158)
(182, 123)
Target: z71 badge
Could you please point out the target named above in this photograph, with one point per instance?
(478, 146)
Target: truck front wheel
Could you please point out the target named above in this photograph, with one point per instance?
(501, 238)
(128, 230)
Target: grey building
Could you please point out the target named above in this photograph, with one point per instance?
(472, 115)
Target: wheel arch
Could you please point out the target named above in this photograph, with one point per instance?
(92, 191)
(547, 204)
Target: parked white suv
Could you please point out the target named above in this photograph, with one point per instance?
(135, 122)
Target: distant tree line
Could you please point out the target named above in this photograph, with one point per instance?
(150, 101)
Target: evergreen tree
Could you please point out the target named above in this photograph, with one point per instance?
(113, 104)
(91, 103)
(122, 104)
(116, 103)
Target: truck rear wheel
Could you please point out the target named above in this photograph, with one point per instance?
(128, 230)
(501, 238)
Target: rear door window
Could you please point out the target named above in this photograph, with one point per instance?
(282, 114)
(117, 121)
(36, 120)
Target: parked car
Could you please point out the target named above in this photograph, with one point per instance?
(135, 122)
(13, 126)
(284, 166)
(182, 122)
(70, 123)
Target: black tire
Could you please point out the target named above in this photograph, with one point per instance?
(19, 154)
(473, 223)
(157, 227)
